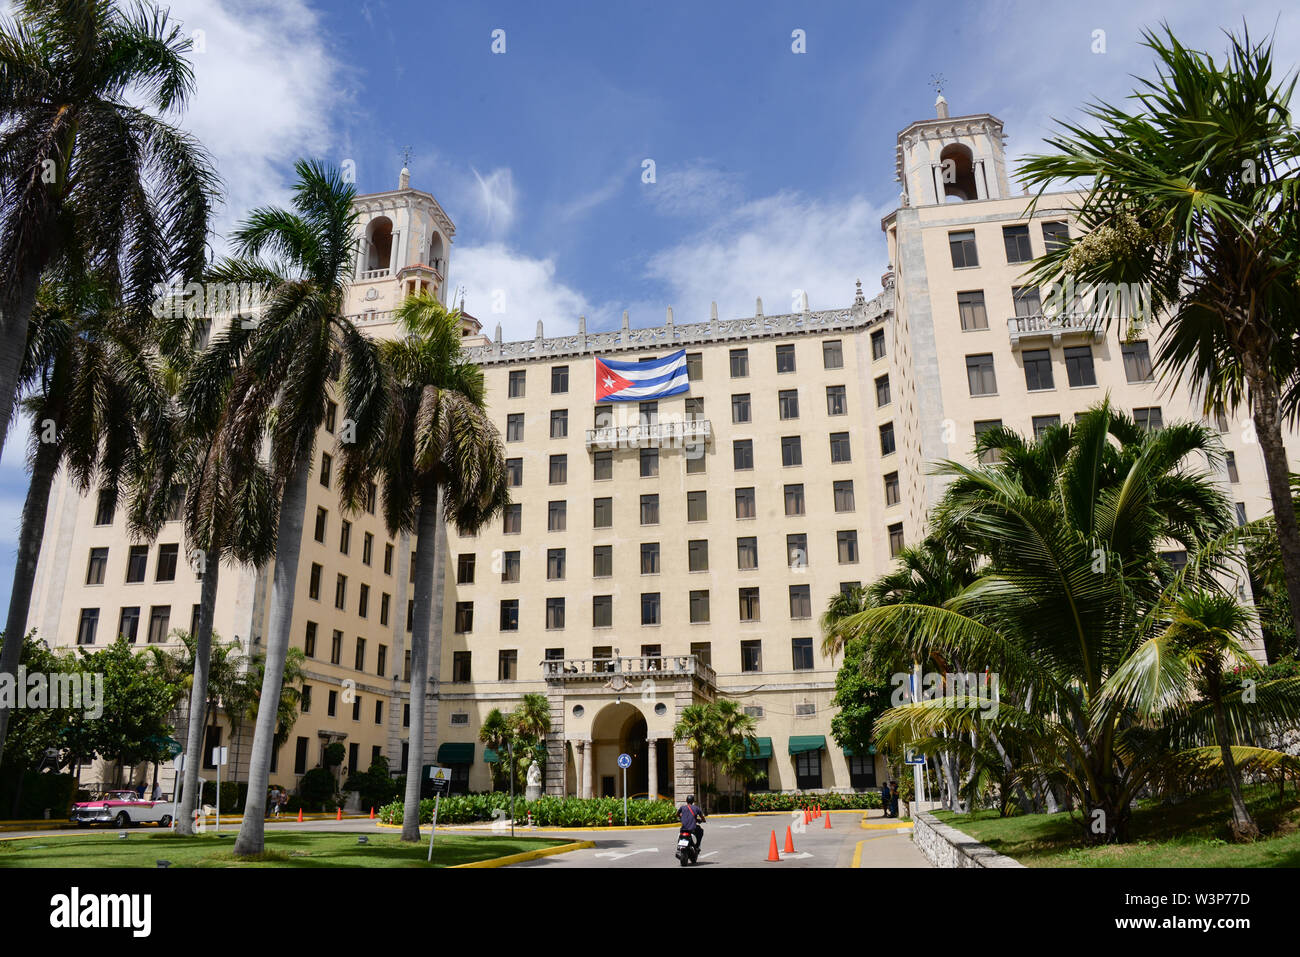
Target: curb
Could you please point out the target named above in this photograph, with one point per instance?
(527, 855)
(470, 829)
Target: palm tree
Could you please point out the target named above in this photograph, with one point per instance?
(695, 729)
(495, 735)
(531, 721)
(733, 740)
(88, 172)
(1194, 196)
(301, 346)
(441, 462)
(96, 398)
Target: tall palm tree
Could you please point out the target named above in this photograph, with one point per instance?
(531, 720)
(440, 461)
(97, 399)
(301, 347)
(733, 740)
(695, 729)
(1193, 196)
(87, 164)
(495, 735)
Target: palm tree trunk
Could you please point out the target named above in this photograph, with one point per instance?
(252, 830)
(44, 468)
(426, 643)
(1244, 827)
(1268, 430)
(190, 800)
(15, 314)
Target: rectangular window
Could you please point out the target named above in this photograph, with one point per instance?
(87, 626)
(747, 553)
(962, 247)
(837, 402)
(602, 561)
(785, 358)
(336, 647)
(326, 469)
(512, 519)
(694, 366)
(372, 497)
(1149, 418)
(166, 568)
(846, 543)
(465, 565)
(1044, 422)
(650, 608)
(808, 770)
(648, 412)
(796, 550)
(878, 344)
(1230, 463)
(791, 451)
(382, 665)
(697, 555)
(331, 414)
(510, 566)
(739, 363)
(137, 557)
(843, 491)
(891, 489)
(1137, 361)
(322, 517)
(554, 613)
(464, 617)
(559, 470)
(514, 473)
(602, 512)
(649, 558)
(882, 391)
(970, 306)
(602, 611)
(1241, 513)
(1055, 235)
(461, 666)
(788, 403)
(388, 559)
(176, 504)
(363, 602)
(801, 652)
(518, 380)
(510, 614)
(104, 507)
(345, 537)
(559, 380)
(1016, 240)
(697, 506)
(832, 354)
(367, 548)
(559, 423)
(887, 439)
(384, 601)
(602, 466)
(313, 582)
(840, 450)
(359, 656)
(507, 665)
(555, 564)
(515, 427)
(649, 509)
(300, 755)
(96, 565)
(895, 539)
(649, 463)
(751, 655)
(745, 503)
(1078, 366)
(1038, 369)
(794, 500)
(699, 605)
(749, 609)
(693, 407)
(979, 374)
(989, 456)
(341, 591)
(740, 407)
(128, 623)
(1026, 301)
(160, 617)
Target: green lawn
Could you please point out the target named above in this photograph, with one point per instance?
(144, 849)
(1193, 833)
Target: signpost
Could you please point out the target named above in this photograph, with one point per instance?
(220, 756)
(178, 763)
(625, 762)
(441, 778)
(918, 787)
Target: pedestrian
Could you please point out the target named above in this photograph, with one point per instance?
(284, 802)
(157, 791)
(884, 799)
(273, 805)
(893, 799)
(139, 790)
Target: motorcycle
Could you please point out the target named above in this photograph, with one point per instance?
(687, 852)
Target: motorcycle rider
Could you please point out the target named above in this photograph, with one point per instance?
(691, 817)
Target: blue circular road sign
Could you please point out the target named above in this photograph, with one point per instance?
(625, 761)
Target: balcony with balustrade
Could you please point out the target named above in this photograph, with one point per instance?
(628, 667)
(1054, 327)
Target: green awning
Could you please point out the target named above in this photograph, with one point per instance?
(848, 752)
(490, 756)
(800, 743)
(456, 752)
(763, 749)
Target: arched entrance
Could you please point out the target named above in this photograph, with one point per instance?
(619, 729)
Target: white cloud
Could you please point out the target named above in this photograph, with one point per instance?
(696, 188)
(514, 289)
(495, 200)
(576, 208)
(774, 247)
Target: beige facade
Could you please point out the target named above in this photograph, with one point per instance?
(689, 558)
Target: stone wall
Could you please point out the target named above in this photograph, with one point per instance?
(946, 846)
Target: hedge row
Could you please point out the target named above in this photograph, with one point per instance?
(830, 801)
(546, 811)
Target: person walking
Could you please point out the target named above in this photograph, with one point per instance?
(884, 800)
(893, 799)
(273, 805)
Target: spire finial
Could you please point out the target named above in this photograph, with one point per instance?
(858, 298)
(404, 180)
(940, 104)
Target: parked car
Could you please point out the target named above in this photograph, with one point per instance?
(122, 809)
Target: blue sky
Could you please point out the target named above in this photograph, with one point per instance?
(772, 168)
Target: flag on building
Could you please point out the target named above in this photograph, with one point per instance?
(618, 381)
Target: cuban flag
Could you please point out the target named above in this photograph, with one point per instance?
(618, 381)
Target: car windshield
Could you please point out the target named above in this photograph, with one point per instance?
(122, 796)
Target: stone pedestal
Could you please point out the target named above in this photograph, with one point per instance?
(532, 792)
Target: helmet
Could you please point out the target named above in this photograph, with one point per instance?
(690, 799)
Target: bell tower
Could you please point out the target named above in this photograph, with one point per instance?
(952, 158)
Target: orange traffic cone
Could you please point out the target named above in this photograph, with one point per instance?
(772, 855)
(806, 816)
(828, 822)
(372, 814)
(299, 815)
(340, 815)
(789, 840)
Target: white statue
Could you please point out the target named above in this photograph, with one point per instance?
(534, 775)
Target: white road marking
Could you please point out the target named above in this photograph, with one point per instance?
(729, 826)
(707, 854)
(618, 855)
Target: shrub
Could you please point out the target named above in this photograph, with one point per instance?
(546, 811)
(316, 789)
(830, 801)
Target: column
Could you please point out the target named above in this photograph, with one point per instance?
(652, 756)
(588, 747)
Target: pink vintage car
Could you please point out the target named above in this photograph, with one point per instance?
(121, 809)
